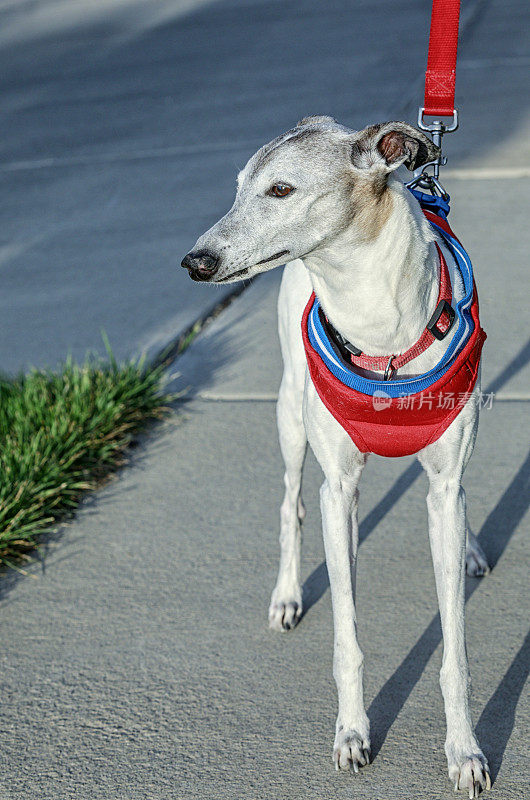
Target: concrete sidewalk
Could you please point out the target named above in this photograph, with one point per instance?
(136, 660)
(138, 663)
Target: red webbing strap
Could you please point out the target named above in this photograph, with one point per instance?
(441, 61)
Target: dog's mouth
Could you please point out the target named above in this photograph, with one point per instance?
(239, 274)
(200, 277)
(242, 273)
(274, 257)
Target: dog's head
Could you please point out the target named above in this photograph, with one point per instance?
(303, 189)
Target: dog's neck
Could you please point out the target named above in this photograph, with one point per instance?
(379, 294)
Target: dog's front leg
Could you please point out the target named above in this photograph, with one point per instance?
(444, 462)
(342, 464)
(286, 602)
(338, 498)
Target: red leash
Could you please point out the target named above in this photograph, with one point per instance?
(441, 61)
(439, 102)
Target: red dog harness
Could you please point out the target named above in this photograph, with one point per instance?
(401, 425)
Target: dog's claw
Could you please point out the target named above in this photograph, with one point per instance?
(476, 562)
(351, 751)
(471, 775)
(284, 616)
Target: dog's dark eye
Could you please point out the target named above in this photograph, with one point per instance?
(280, 190)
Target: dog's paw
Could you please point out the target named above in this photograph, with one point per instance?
(470, 774)
(476, 564)
(351, 750)
(284, 616)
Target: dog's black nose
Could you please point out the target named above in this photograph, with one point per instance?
(201, 264)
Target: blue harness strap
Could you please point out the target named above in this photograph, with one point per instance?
(397, 388)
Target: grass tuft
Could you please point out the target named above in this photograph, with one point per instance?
(61, 434)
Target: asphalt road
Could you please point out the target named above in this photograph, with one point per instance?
(136, 658)
(123, 125)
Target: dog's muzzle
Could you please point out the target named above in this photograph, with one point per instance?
(201, 265)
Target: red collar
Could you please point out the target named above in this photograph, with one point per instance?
(436, 329)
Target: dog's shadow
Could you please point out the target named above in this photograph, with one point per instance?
(497, 720)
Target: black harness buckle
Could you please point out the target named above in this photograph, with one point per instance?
(442, 306)
(344, 347)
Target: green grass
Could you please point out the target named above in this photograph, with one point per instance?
(61, 434)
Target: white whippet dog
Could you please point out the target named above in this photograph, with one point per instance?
(323, 198)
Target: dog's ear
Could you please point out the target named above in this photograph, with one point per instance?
(391, 144)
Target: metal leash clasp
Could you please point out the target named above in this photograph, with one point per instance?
(422, 177)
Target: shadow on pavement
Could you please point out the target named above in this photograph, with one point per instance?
(496, 722)
(494, 536)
